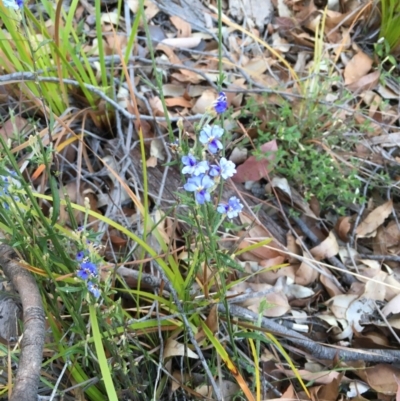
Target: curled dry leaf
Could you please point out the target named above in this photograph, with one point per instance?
(306, 274)
(369, 225)
(387, 238)
(277, 303)
(259, 233)
(324, 377)
(174, 348)
(293, 247)
(357, 67)
(331, 288)
(183, 27)
(253, 169)
(178, 102)
(211, 322)
(392, 307)
(156, 106)
(366, 82)
(339, 304)
(343, 227)
(204, 101)
(383, 378)
(376, 289)
(272, 275)
(327, 248)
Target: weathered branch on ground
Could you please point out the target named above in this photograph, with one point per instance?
(317, 350)
(28, 375)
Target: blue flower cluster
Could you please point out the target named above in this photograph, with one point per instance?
(205, 176)
(88, 272)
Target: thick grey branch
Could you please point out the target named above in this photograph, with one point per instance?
(27, 379)
(318, 351)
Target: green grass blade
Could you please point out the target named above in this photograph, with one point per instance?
(108, 382)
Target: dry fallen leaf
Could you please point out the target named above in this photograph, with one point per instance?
(327, 248)
(253, 169)
(357, 67)
(369, 225)
(173, 348)
(383, 378)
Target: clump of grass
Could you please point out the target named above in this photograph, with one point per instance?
(390, 23)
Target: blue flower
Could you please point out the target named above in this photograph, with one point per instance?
(192, 166)
(86, 270)
(210, 136)
(199, 185)
(215, 170)
(83, 274)
(221, 103)
(228, 168)
(80, 255)
(232, 209)
(94, 289)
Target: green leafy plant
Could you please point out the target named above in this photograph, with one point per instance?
(306, 152)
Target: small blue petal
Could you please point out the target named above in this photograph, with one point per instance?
(221, 103)
(228, 168)
(232, 209)
(202, 197)
(210, 136)
(94, 289)
(83, 274)
(215, 170)
(193, 167)
(199, 185)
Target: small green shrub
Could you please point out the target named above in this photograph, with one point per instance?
(306, 152)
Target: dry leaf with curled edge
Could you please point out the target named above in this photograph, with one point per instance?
(383, 378)
(330, 286)
(357, 67)
(211, 322)
(392, 307)
(327, 248)
(306, 274)
(343, 227)
(173, 348)
(376, 289)
(370, 224)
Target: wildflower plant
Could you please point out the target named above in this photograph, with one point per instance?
(205, 169)
(204, 177)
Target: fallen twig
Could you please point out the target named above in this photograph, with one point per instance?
(27, 378)
(317, 350)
